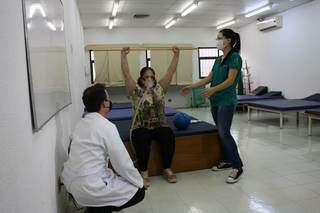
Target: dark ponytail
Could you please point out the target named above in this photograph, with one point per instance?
(235, 39)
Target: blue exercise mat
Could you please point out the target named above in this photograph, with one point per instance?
(257, 97)
(286, 104)
(121, 105)
(126, 114)
(200, 127)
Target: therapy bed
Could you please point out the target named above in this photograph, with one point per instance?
(244, 99)
(126, 105)
(313, 114)
(197, 147)
(126, 113)
(283, 106)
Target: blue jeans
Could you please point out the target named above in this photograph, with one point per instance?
(222, 116)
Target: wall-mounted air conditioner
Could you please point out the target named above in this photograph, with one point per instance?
(269, 23)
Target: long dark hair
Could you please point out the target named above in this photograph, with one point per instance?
(145, 69)
(235, 39)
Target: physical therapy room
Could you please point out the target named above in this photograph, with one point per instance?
(160, 106)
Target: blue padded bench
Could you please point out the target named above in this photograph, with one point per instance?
(313, 114)
(243, 99)
(126, 114)
(197, 147)
(122, 105)
(285, 105)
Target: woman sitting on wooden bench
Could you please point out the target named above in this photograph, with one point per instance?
(149, 120)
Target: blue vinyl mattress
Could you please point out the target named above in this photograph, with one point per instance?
(121, 105)
(201, 127)
(125, 114)
(257, 97)
(286, 104)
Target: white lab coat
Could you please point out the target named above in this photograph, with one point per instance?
(86, 175)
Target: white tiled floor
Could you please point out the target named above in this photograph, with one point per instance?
(281, 173)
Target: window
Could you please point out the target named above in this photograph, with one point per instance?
(92, 66)
(148, 58)
(207, 56)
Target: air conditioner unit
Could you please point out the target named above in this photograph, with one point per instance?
(269, 23)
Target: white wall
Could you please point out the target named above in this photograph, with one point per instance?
(31, 162)
(199, 37)
(286, 59)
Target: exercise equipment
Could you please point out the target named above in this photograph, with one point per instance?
(181, 121)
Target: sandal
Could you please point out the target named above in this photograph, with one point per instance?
(169, 176)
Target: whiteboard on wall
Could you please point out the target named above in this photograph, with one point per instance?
(46, 58)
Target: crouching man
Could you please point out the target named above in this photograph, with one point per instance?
(96, 141)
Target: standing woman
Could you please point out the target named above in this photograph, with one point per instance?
(224, 77)
(149, 121)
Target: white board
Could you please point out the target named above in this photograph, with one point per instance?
(46, 58)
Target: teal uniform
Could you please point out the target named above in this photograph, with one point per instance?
(220, 73)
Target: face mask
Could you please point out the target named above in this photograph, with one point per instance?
(110, 105)
(149, 82)
(220, 44)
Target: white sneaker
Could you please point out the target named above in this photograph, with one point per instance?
(234, 175)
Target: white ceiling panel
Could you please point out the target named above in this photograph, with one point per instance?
(209, 13)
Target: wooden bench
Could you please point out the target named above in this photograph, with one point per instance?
(197, 147)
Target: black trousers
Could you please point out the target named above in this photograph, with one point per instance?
(142, 139)
(137, 198)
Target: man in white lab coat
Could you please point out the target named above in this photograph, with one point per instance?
(96, 141)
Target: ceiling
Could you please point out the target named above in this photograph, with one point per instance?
(209, 13)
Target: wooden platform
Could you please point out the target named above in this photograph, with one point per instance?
(194, 152)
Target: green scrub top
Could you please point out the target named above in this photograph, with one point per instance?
(220, 73)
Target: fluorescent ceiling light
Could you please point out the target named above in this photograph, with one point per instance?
(115, 8)
(111, 23)
(257, 11)
(170, 23)
(34, 8)
(51, 26)
(190, 8)
(225, 24)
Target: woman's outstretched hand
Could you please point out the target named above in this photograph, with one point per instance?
(125, 51)
(185, 90)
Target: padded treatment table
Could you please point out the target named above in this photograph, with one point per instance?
(313, 114)
(126, 114)
(197, 147)
(122, 105)
(282, 106)
(243, 99)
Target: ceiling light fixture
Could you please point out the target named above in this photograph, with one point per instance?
(111, 23)
(115, 8)
(170, 23)
(190, 8)
(226, 24)
(258, 11)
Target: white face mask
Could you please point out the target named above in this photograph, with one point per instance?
(149, 83)
(220, 45)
